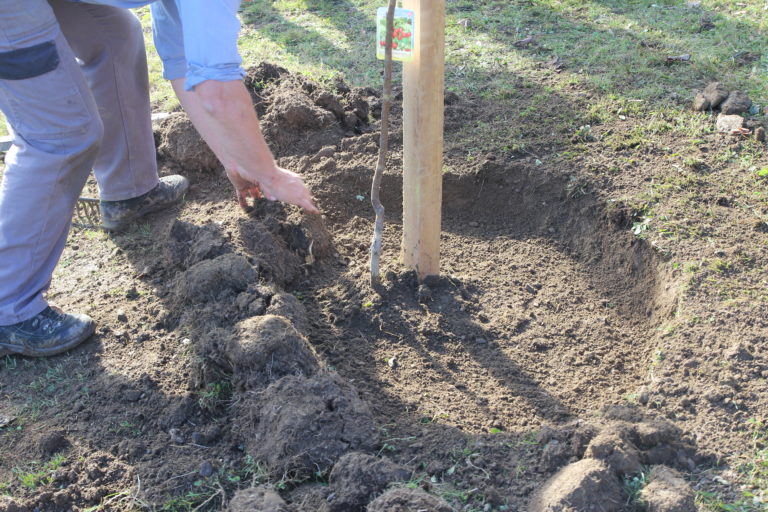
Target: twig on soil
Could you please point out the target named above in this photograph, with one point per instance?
(383, 148)
(469, 463)
(220, 491)
(182, 475)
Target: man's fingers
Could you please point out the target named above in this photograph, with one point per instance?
(241, 198)
(308, 205)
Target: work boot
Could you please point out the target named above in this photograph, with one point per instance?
(117, 215)
(48, 333)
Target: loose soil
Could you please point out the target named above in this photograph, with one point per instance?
(237, 348)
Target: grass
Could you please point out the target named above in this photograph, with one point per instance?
(756, 468)
(633, 486)
(39, 474)
(215, 395)
(754, 471)
(210, 493)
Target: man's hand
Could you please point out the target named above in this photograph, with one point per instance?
(283, 185)
(223, 113)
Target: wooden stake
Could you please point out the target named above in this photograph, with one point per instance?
(423, 84)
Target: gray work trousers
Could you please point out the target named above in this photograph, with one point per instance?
(74, 90)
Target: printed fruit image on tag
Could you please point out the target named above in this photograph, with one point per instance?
(402, 34)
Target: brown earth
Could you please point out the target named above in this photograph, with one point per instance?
(236, 349)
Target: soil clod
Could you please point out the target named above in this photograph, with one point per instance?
(667, 491)
(257, 499)
(575, 487)
(266, 349)
(181, 147)
(408, 500)
(299, 426)
(214, 279)
(358, 477)
(711, 98)
(737, 103)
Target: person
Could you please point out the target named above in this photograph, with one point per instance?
(74, 89)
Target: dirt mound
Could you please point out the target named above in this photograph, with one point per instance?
(214, 280)
(189, 244)
(275, 260)
(288, 306)
(266, 349)
(258, 77)
(181, 147)
(619, 446)
(408, 500)
(300, 426)
(307, 234)
(358, 477)
(298, 116)
(625, 439)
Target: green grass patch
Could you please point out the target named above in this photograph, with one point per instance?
(38, 474)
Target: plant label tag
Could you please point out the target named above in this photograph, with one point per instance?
(403, 34)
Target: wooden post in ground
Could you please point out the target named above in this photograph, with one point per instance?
(423, 84)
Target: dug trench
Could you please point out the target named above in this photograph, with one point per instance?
(253, 367)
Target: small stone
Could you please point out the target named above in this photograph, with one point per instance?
(392, 362)
(424, 294)
(121, 316)
(5, 420)
(176, 436)
(206, 469)
(643, 397)
(737, 103)
(197, 438)
(474, 224)
(530, 289)
(481, 341)
(729, 123)
(760, 134)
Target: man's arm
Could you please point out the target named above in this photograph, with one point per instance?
(223, 114)
(197, 40)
